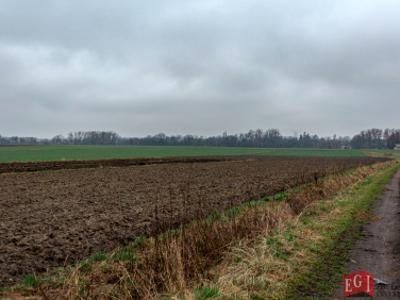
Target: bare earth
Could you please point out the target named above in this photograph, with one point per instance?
(378, 252)
(52, 218)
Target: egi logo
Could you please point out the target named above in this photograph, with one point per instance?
(358, 284)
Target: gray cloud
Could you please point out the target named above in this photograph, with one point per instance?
(198, 66)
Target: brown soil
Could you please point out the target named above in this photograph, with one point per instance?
(82, 164)
(378, 252)
(52, 218)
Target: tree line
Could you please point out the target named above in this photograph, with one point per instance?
(371, 138)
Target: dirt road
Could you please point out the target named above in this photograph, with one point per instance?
(378, 251)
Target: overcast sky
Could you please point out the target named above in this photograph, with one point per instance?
(200, 67)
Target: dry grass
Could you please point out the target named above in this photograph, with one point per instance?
(266, 268)
(170, 263)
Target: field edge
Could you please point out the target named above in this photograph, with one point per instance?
(100, 259)
(314, 247)
(325, 273)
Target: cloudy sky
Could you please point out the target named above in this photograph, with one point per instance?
(200, 67)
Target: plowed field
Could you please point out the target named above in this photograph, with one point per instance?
(83, 164)
(52, 218)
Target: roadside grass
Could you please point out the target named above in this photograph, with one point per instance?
(304, 257)
(339, 231)
(171, 263)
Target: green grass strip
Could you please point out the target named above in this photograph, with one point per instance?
(319, 278)
(81, 152)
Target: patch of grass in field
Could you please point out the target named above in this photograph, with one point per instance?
(31, 281)
(59, 153)
(207, 292)
(124, 254)
(100, 256)
(276, 247)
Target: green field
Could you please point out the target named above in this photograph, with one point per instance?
(53, 153)
(384, 153)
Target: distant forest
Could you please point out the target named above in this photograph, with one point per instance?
(271, 138)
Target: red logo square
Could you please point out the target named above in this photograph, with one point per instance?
(358, 284)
